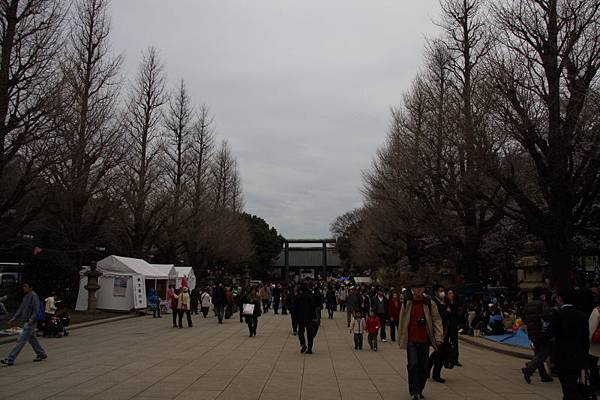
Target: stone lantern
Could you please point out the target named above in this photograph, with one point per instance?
(92, 286)
(532, 268)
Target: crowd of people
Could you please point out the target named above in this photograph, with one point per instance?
(563, 326)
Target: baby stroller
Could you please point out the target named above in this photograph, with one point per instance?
(56, 326)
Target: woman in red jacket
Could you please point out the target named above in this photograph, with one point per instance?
(394, 314)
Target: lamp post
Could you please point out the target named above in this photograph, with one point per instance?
(532, 266)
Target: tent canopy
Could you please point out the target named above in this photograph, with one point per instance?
(184, 271)
(130, 266)
(168, 269)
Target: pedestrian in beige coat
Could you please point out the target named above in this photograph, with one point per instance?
(183, 306)
(420, 326)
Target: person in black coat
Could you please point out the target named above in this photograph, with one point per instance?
(379, 304)
(438, 358)
(570, 329)
(294, 292)
(331, 301)
(536, 315)
(194, 300)
(276, 298)
(219, 299)
(453, 310)
(305, 314)
(252, 320)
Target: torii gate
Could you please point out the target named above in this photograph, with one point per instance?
(324, 259)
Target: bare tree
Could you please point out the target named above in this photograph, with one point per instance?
(30, 38)
(198, 191)
(546, 72)
(89, 135)
(430, 176)
(179, 123)
(225, 178)
(202, 146)
(143, 173)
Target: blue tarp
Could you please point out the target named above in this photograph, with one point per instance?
(518, 339)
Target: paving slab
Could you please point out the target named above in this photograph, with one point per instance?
(145, 358)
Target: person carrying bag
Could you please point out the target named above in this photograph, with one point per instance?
(251, 311)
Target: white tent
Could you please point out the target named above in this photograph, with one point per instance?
(122, 284)
(186, 273)
(169, 270)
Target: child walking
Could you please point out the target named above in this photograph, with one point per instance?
(357, 327)
(372, 327)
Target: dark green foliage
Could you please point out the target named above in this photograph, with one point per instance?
(266, 243)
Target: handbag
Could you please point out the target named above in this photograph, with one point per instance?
(248, 309)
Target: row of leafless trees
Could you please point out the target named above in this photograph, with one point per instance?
(87, 161)
(500, 128)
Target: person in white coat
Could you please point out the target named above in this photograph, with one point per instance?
(205, 302)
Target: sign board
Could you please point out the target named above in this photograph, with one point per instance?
(139, 291)
(120, 286)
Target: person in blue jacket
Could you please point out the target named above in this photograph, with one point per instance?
(154, 303)
(30, 312)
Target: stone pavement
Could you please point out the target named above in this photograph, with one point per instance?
(145, 358)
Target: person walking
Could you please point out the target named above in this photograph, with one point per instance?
(357, 327)
(205, 302)
(276, 298)
(174, 300)
(342, 295)
(252, 318)
(220, 301)
(195, 300)
(453, 322)
(305, 311)
(264, 294)
(420, 326)
(394, 314)
(318, 300)
(372, 327)
(295, 292)
(285, 301)
(365, 302)
(572, 344)
(230, 302)
(243, 294)
(380, 306)
(352, 304)
(330, 301)
(438, 358)
(29, 312)
(183, 306)
(537, 315)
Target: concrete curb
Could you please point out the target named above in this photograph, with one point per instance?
(10, 339)
(505, 349)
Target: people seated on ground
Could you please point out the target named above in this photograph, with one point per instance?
(496, 321)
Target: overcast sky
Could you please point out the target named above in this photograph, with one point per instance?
(301, 89)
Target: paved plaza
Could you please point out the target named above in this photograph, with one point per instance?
(145, 358)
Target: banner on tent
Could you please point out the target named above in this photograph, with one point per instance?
(120, 286)
(139, 291)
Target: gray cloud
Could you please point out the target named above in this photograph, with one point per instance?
(301, 89)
